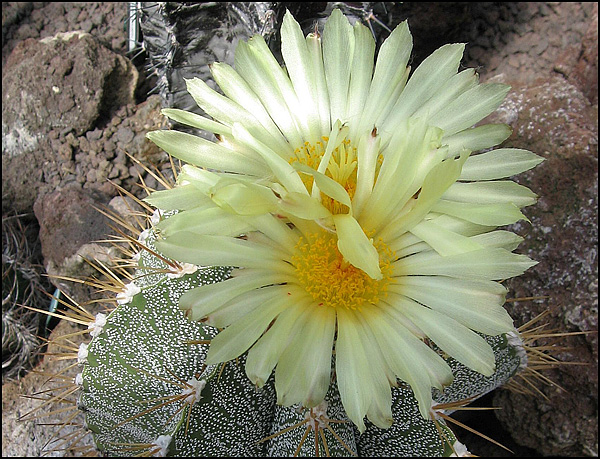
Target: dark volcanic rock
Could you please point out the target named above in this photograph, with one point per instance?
(579, 62)
(64, 82)
(67, 83)
(70, 226)
(555, 120)
(68, 220)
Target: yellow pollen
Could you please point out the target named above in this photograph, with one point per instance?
(325, 275)
(341, 168)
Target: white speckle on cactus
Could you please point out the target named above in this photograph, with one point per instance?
(144, 235)
(162, 442)
(460, 450)
(515, 341)
(193, 391)
(128, 293)
(79, 379)
(82, 353)
(186, 268)
(96, 327)
(156, 217)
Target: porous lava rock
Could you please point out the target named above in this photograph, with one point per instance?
(68, 84)
(556, 120)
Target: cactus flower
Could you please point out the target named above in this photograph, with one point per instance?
(358, 223)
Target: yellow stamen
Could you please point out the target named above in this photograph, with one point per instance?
(332, 281)
(341, 168)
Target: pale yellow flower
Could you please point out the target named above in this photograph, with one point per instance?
(344, 194)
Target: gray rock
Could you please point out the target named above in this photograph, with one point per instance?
(124, 135)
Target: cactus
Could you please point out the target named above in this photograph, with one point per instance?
(22, 284)
(322, 279)
(145, 388)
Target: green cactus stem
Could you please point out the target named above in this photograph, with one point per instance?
(145, 387)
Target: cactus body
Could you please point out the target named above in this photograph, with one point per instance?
(145, 388)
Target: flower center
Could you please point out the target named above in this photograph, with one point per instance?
(322, 271)
(341, 168)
